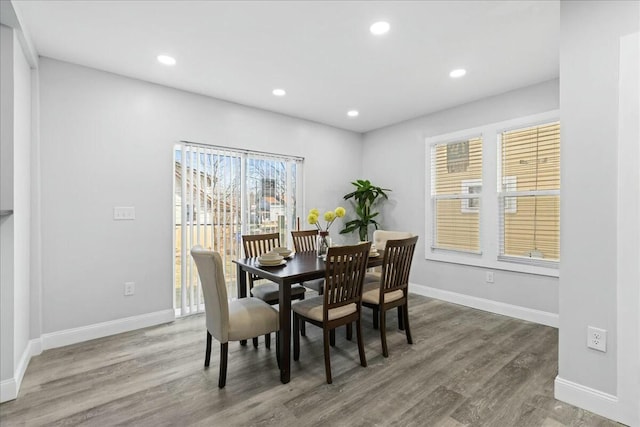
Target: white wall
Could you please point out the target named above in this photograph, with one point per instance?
(589, 100)
(15, 230)
(6, 192)
(394, 157)
(22, 199)
(107, 141)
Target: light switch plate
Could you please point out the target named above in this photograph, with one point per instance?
(124, 213)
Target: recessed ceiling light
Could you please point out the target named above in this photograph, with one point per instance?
(379, 28)
(353, 113)
(457, 73)
(166, 60)
(279, 92)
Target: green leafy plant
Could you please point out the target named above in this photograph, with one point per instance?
(365, 196)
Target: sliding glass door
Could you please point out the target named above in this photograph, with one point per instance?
(221, 194)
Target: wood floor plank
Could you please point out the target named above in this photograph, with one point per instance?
(466, 367)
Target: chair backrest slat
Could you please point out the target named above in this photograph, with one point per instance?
(304, 240)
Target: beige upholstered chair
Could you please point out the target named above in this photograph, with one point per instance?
(391, 290)
(304, 241)
(236, 320)
(255, 245)
(341, 302)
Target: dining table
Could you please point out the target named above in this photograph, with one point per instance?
(300, 267)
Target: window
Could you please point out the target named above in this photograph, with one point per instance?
(493, 195)
(219, 195)
(456, 189)
(530, 157)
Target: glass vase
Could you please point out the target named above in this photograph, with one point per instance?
(323, 243)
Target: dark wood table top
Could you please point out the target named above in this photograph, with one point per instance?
(302, 266)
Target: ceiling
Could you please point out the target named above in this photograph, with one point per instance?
(320, 52)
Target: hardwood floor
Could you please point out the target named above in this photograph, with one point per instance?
(466, 367)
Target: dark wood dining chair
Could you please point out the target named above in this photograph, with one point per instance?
(305, 241)
(341, 303)
(255, 245)
(391, 289)
(226, 320)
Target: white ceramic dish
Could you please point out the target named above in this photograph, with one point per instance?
(270, 257)
(282, 251)
(373, 254)
(281, 262)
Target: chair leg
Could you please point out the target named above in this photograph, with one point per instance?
(407, 329)
(243, 342)
(327, 360)
(383, 332)
(207, 353)
(303, 328)
(267, 340)
(376, 313)
(296, 337)
(278, 349)
(400, 318)
(349, 331)
(255, 342)
(222, 378)
(363, 358)
(332, 337)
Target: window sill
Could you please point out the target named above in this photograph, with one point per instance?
(477, 260)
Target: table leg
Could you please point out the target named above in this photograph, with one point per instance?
(285, 332)
(241, 285)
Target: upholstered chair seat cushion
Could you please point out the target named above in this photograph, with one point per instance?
(317, 285)
(251, 317)
(373, 295)
(270, 291)
(312, 308)
(372, 276)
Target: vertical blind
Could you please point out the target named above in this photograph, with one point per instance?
(529, 195)
(456, 189)
(221, 194)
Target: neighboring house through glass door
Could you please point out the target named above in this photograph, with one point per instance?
(219, 195)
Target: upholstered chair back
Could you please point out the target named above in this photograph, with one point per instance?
(214, 289)
(380, 237)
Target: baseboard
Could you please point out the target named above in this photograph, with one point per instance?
(590, 399)
(99, 330)
(531, 315)
(9, 388)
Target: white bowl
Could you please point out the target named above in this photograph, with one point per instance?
(283, 251)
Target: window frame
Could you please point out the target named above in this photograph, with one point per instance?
(502, 194)
(489, 215)
(453, 138)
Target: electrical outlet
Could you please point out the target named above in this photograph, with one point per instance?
(597, 338)
(129, 288)
(489, 277)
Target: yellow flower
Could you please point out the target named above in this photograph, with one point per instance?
(312, 219)
(340, 211)
(329, 216)
(315, 212)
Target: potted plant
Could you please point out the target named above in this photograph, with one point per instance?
(365, 196)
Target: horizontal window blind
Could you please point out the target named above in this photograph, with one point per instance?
(529, 195)
(456, 190)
